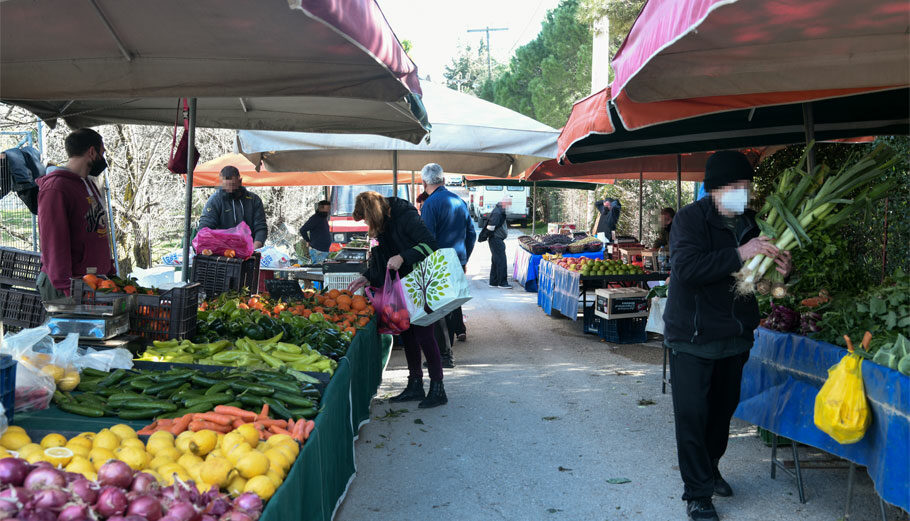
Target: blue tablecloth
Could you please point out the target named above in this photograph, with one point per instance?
(559, 289)
(526, 266)
(780, 382)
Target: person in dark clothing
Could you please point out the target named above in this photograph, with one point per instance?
(609, 210)
(666, 221)
(707, 326)
(315, 231)
(401, 235)
(232, 204)
(497, 229)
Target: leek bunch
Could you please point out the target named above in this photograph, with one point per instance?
(804, 202)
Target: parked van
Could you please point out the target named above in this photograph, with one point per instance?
(343, 227)
(484, 198)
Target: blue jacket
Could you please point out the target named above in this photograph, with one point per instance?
(316, 232)
(446, 216)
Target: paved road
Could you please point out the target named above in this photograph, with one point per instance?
(540, 418)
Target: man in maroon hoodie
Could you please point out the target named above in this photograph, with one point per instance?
(72, 220)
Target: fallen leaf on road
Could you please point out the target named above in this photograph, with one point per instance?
(418, 421)
(554, 510)
(550, 418)
(564, 469)
(645, 401)
(619, 481)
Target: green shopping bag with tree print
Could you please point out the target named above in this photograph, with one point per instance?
(436, 286)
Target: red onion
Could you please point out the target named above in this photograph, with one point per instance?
(111, 501)
(147, 507)
(85, 490)
(13, 471)
(169, 518)
(43, 464)
(235, 516)
(74, 512)
(127, 518)
(44, 477)
(218, 506)
(249, 502)
(182, 511)
(208, 518)
(144, 483)
(50, 499)
(115, 473)
(37, 515)
(9, 507)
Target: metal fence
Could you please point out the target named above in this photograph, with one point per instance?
(18, 227)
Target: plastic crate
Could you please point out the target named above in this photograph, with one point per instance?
(19, 268)
(21, 308)
(593, 324)
(338, 281)
(219, 274)
(8, 385)
(767, 437)
(170, 315)
(625, 330)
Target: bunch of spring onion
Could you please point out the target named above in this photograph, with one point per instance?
(804, 202)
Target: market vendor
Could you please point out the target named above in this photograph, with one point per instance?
(608, 211)
(72, 220)
(233, 204)
(315, 231)
(666, 221)
(708, 326)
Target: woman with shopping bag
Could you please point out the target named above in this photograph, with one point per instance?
(403, 242)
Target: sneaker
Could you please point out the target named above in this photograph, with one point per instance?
(701, 510)
(492, 285)
(722, 488)
(463, 337)
(505, 286)
(448, 362)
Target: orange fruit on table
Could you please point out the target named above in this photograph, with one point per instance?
(230, 253)
(333, 294)
(329, 303)
(91, 280)
(129, 289)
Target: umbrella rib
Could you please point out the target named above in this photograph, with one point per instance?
(110, 29)
(243, 105)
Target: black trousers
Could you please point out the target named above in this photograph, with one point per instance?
(705, 394)
(455, 323)
(442, 334)
(498, 273)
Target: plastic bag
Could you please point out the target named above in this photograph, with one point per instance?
(239, 239)
(106, 360)
(391, 305)
(42, 366)
(841, 410)
(34, 388)
(3, 423)
(273, 258)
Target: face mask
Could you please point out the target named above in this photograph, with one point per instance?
(99, 165)
(735, 201)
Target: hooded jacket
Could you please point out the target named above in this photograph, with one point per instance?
(403, 231)
(223, 211)
(702, 305)
(72, 225)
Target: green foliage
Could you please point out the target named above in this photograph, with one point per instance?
(824, 264)
(468, 70)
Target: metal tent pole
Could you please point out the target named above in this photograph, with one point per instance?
(394, 173)
(411, 191)
(112, 225)
(533, 207)
(188, 209)
(678, 181)
(641, 205)
(809, 122)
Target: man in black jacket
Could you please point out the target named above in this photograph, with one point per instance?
(609, 210)
(233, 204)
(708, 327)
(497, 229)
(315, 231)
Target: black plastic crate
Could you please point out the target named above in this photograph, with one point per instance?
(625, 330)
(20, 308)
(767, 437)
(19, 267)
(593, 324)
(221, 274)
(8, 386)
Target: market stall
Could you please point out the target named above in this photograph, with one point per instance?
(525, 266)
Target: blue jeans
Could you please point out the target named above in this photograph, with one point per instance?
(318, 257)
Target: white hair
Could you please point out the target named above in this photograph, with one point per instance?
(432, 174)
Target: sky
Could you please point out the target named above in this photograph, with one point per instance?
(435, 27)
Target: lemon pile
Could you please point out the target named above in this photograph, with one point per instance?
(237, 462)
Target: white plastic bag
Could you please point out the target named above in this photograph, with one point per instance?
(106, 360)
(656, 316)
(272, 257)
(3, 423)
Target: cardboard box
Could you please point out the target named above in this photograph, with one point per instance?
(612, 303)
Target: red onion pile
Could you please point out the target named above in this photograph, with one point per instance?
(42, 493)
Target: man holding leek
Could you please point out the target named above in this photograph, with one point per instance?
(708, 326)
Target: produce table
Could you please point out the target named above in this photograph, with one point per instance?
(780, 381)
(525, 266)
(561, 289)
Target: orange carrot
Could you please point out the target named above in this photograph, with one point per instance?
(148, 429)
(179, 425)
(310, 425)
(291, 424)
(278, 423)
(238, 422)
(264, 413)
(297, 431)
(278, 430)
(214, 417)
(198, 425)
(248, 416)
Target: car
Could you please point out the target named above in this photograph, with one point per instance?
(342, 225)
(484, 198)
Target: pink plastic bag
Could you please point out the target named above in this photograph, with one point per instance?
(389, 303)
(239, 238)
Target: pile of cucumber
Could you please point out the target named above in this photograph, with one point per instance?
(141, 395)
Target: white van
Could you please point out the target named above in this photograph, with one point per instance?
(484, 198)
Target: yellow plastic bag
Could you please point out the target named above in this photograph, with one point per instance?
(841, 409)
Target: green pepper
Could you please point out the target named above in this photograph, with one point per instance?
(254, 331)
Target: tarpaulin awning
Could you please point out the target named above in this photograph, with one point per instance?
(470, 136)
(780, 382)
(651, 168)
(571, 185)
(316, 65)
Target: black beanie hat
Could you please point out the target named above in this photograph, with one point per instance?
(727, 167)
(229, 172)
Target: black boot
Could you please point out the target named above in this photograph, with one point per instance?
(414, 391)
(701, 510)
(721, 487)
(436, 396)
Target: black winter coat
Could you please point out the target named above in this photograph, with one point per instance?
(403, 231)
(499, 222)
(702, 305)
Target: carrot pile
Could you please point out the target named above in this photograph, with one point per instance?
(226, 418)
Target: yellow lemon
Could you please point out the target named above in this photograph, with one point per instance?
(189, 461)
(35, 457)
(58, 456)
(135, 443)
(277, 459)
(203, 442)
(53, 440)
(183, 441)
(261, 446)
(79, 441)
(262, 486)
(79, 450)
(291, 451)
(80, 465)
(215, 454)
(55, 372)
(106, 439)
(158, 461)
(168, 472)
(253, 464)
(219, 439)
(278, 439)
(156, 445)
(15, 428)
(276, 477)
(137, 459)
(170, 453)
(14, 440)
(4, 453)
(249, 433)
(162, 435)
(90, 436)
(69, 381)
(238, 452)
(235, 487)
(153, 474)
(27, 450)
(216, 471)
(100, 456)
(124, 432)
(231, 440)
